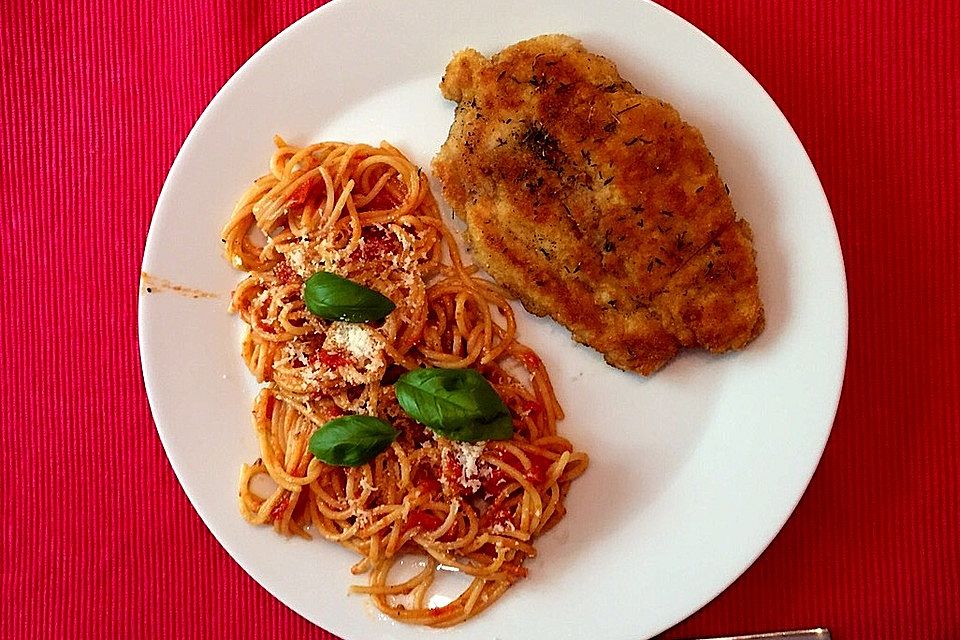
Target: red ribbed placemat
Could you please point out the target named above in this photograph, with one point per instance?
(100, 541)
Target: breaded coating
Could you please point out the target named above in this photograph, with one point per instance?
(596, 205)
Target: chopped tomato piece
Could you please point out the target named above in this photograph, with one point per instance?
(329, 359)
(426, 520)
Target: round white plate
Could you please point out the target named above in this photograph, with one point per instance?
(693, 471)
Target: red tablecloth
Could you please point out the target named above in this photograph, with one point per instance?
(99, 539)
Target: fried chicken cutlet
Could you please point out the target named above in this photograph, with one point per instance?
(596, 205)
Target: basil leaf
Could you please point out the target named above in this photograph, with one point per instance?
(336, 298)
(458, 404)
(349, 441)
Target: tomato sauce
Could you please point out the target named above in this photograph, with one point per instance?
(276, 514)
(526, 407)
(531, 360)
(496, 515)
(299, 195)
(378, 244)
(329, 359)
(429, 486)
(266, 327)
(536, 474)
(426, 520)
(496, 481)
(452, 471)
(384, 200)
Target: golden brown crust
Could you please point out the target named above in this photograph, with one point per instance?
(713, 301)
(586, 199)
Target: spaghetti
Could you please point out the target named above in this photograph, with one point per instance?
(367, 214)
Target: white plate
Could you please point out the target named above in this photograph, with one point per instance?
(693, 471)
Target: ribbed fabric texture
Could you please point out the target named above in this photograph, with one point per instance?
(98, 538)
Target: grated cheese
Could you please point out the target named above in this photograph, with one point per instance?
(503, 527)
(468, 454)
(306, 257)
(363, 517)
(296, 258)
(356, 339)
